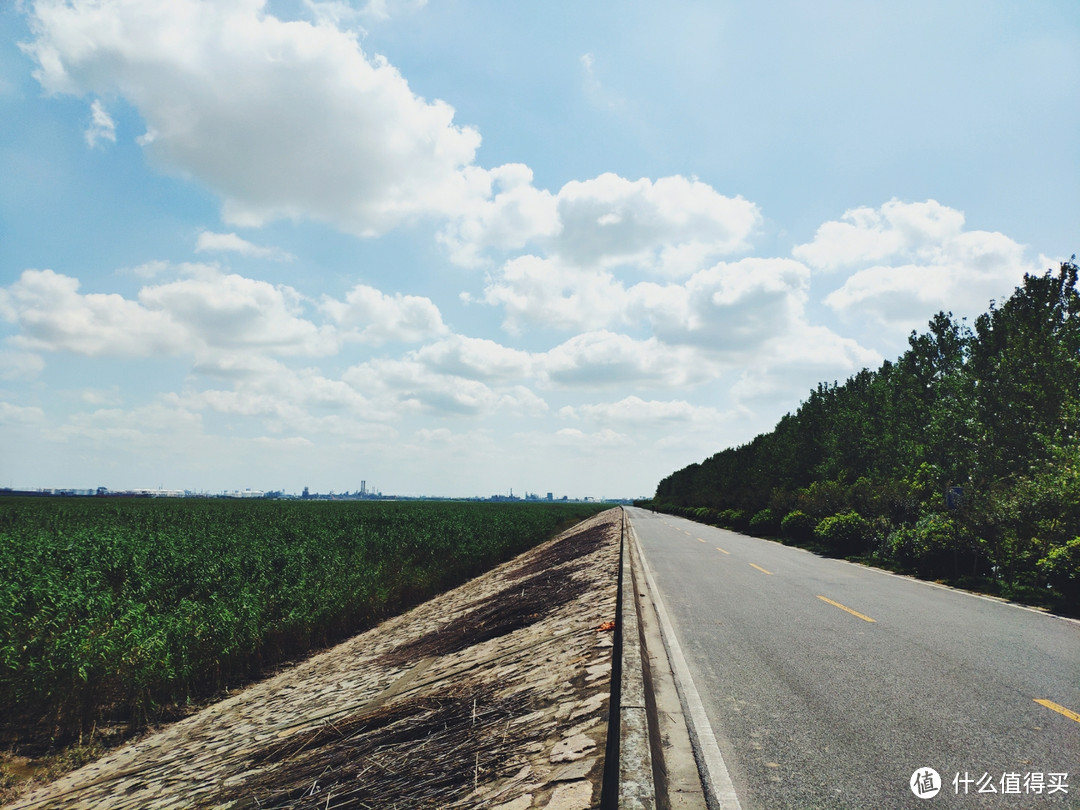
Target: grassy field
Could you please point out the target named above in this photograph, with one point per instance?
(113, 608)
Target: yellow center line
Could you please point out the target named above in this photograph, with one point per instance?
(700, 540)
(722, 550)
(845, 607)
(1059, 709)
(759, 568)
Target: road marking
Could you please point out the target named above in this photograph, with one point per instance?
(716, 780)
(700, 540)
(1059, 709)
(845, 607)
(721, 550)
(684, 531)
(762, 570)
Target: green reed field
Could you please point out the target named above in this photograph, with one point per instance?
(112, 608)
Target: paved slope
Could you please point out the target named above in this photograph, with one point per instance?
(492, 695)
(815, 705)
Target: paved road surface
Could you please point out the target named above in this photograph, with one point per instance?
(829, 684)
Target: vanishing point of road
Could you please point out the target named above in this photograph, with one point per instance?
(830, 684)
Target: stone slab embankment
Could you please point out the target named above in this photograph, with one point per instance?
(494, 695)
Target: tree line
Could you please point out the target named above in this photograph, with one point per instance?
(959, 461)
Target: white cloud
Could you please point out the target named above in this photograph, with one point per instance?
(20, 415)
(18, 365)
(924, 262)
(229, 311)
(410, 386)
(204, 312)
(53, 316)
(476, 359)
(611, 220)
(511, 214)
(209, 242)
(595, 91)
(633, 412)
(866, 235)
(164, 422)
(535, 291)
(729, 308)
(102, 127)
(607, 359)
(371, 316)
(582, 441)
(281, 118)
(669, 227)
(150, 269)
(789, 367)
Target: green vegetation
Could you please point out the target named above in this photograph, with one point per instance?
(111, 608)
(960, 461)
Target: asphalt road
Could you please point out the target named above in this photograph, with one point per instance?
(829, 684)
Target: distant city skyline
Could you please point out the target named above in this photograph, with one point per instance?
(269, 244)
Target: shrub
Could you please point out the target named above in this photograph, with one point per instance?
(798, 526)
(1061, 567)
(930, 546)
(733, 519)
(764, 522)
(846, 533)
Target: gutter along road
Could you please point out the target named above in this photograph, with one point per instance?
(829, 684)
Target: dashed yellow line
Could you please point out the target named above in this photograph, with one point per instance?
(845, 607)
(700, 540)
(1059, 709)
(759, 568)
(722, 550)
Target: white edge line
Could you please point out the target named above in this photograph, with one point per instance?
(718, 780)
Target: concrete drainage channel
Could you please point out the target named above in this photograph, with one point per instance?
(658, 765)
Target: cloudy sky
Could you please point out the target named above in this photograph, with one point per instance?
(453, 248)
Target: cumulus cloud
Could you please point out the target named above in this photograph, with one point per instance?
(635, 412)
(509, 213)
(604, 359)
(790, 367)
(669, 227)
(728, 308)
(210, 242)
(907, 261)
(230, 311)
(371, 316)
(224, 320)
(867, 235)
(610, 220)
(408, 384)
(53, 316)
(476, 359)
(537, 291)
(281, 118)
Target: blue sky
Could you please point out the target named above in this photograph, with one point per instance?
(454, 248)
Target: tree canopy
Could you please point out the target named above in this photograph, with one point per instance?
(959, 460)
